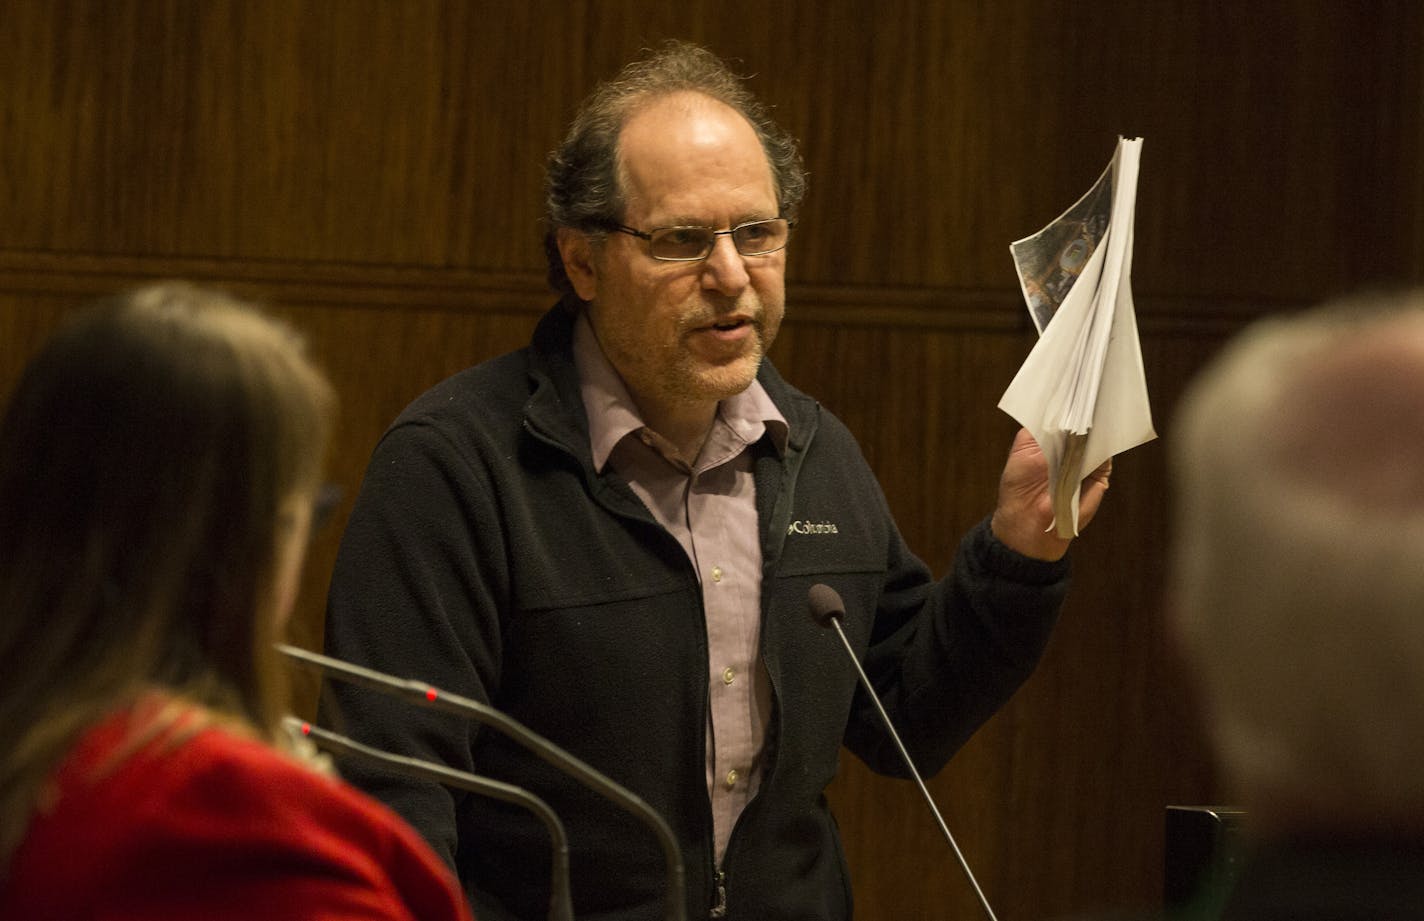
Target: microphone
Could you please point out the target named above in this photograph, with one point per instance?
(560, 903)
(426, 695)
(827, 609)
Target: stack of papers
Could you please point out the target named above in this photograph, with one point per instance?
(1082, 391)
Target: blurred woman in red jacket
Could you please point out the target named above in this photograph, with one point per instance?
(158, 464)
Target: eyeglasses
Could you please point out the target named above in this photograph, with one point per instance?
(692, 244)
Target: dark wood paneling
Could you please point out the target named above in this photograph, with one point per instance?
(373, 170)
(1281, 149)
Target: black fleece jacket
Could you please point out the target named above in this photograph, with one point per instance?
(486, 556)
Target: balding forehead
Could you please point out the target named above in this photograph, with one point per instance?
(684, 143)
(676, 113)
(1351, 416)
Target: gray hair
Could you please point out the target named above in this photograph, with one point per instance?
(1298, 564)
(582, 182)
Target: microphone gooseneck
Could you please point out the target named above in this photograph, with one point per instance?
(827, 609)
(560, 902)
(426, 695)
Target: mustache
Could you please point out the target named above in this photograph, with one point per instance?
(711, 315)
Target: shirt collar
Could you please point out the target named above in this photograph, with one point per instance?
(612, 414)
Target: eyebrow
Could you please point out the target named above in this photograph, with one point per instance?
(683, 220)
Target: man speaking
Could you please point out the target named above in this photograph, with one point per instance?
(610, 535)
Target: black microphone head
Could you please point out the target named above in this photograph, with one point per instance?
(825, 603)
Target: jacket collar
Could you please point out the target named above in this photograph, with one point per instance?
(555, 410)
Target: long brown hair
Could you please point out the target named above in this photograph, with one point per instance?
(145, 459)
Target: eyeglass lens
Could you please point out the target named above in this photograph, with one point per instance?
(757, 238)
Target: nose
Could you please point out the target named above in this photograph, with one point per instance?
(725, 269)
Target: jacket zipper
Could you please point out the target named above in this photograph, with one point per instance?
(719, 907)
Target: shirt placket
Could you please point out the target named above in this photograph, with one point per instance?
(733, 624)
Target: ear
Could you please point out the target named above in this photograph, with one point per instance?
(577, 253)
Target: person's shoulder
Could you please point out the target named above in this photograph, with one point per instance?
(195, 778)
(247, 766)
(492, 387)
(499, 387)
(287, 807)
(245, 781)
(219, 824)
(269, 806)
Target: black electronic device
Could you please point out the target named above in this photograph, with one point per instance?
(1201, 853)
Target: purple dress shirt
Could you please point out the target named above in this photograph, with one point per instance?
(709, 505)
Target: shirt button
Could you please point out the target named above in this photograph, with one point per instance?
(732, 779)
(716, 573)
(729, 675)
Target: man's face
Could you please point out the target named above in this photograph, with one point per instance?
(684, 335)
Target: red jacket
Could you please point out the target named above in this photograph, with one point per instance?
(216, 826)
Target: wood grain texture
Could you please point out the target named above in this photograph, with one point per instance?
(373, 170)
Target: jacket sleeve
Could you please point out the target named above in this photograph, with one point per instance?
(945, 656)
(416, 593)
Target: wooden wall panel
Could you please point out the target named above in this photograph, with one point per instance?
(373, 169)
(414, 133)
